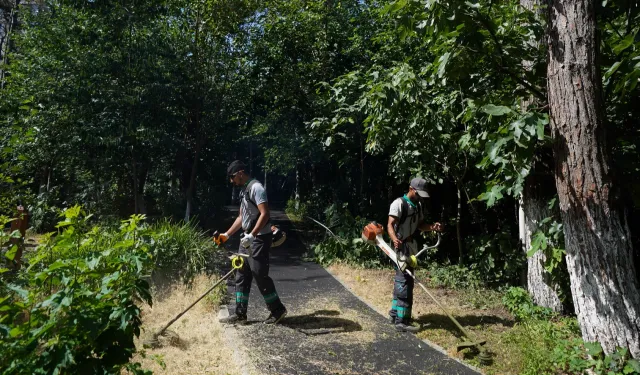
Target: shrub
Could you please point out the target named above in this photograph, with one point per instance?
(578, 357)
(180, 247)
(451, 276)
(296, 210)
(537, 339)
(495, 257)
(346, 244)
(73, 309)
(520, 304)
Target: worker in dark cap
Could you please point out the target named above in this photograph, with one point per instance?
(406, 218)
(256, 242)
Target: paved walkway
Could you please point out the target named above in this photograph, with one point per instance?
(328, 330)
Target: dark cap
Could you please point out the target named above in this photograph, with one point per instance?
(420, 184)
(235, 167)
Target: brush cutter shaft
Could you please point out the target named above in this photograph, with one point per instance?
(464, 331)
(195, 302)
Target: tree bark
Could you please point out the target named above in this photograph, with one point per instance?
(533, 208)
(599, 257)
(542, 289)
(192, 181)
(298, 177)
(458, 223)
(8, 22)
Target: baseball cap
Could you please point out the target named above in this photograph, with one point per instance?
(235, 167)
(420, 184)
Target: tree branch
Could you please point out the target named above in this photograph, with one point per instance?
(533, 90)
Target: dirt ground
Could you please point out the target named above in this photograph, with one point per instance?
(198, 344)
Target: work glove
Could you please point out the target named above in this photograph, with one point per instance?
(247, 240)
(219, 239)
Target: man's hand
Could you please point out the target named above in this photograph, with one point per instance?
(219, 239)
(402, 262)
(437, 227)
(247, 240)
(397, 243)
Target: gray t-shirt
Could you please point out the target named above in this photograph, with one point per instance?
(414, 217)
(248, 210)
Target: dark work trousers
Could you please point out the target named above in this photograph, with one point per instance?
(402, 296)
(256, 266)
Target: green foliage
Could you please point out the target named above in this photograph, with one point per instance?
(495, 257)
(180, 247)
(74, 307)
(296, 210)
(519, 303)
(578, 357)
(346, 245)
(536, 340)
(452, 276)
(43, 213)
(549, 239)
(553, 346)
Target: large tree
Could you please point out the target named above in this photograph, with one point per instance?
(599, 257)
(534, 208)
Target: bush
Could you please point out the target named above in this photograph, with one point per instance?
(180, 247)
(452, 276)
(578, 357)
(537, 339)
(73, 309)
(346, 244)
(496, 257)
(551, 344)
(519, 303)
(296, 210)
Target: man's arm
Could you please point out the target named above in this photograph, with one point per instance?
(263, 219)
(392, 232)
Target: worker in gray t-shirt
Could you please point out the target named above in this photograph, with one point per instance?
(406, 217)
(256, 241)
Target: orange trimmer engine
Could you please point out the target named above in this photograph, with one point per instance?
(371, 231)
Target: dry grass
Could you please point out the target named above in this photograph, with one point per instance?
(376, 287)
(198, 346)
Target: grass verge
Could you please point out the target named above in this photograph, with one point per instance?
(198, 345)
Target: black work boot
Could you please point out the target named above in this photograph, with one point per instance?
(403, 327)
(276, 316)
(234, 319)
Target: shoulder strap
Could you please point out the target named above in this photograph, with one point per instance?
(247, 193)
(404, 213)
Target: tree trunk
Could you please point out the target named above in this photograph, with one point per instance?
(599, 257)
(539, 284)
(298, 177)
(192, 181)
(533, 208)
(134, 178)
(458, 223)
(143, 173)
(8, 20)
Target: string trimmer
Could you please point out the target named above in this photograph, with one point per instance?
(237, 261)
(372, 234)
